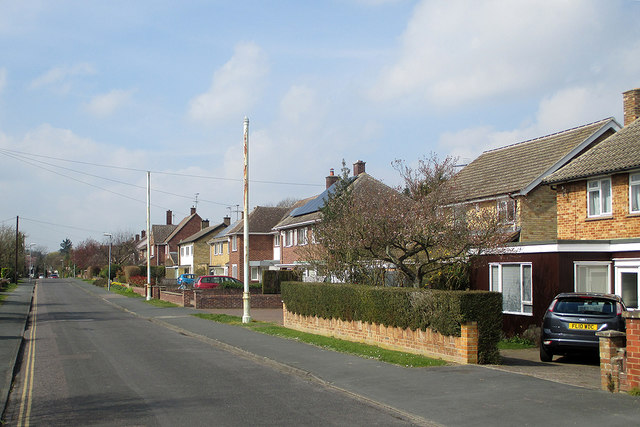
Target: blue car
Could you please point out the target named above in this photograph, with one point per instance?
(186, 280)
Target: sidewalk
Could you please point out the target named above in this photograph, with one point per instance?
(450, 395)
(14, 312)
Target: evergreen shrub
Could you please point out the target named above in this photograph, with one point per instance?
(440, 310)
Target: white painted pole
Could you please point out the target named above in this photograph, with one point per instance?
(110, 236)
(148, 235)
(246, 303)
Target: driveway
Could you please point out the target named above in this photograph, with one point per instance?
(581, 371)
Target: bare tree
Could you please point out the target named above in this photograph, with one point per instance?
(367, 226)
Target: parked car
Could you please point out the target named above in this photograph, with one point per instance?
(186, 280)
(572, 320)
(210, 282)
(53, 276)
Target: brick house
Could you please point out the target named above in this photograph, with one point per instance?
(261, 247)
(509, 181)
(598, 198)
(219, 252)
(193, 252)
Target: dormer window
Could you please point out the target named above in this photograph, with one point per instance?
(599, 197)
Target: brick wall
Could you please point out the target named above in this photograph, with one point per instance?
(620, 356)
(573, 222)
(204, 300)
(462, 349)
(538, 217)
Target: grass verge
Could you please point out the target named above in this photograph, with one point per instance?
(358, 349)
(515, 343)
(7, 288)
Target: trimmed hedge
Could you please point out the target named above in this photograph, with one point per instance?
(441, 311)
(271, 279)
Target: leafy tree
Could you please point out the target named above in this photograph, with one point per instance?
(368, 227)
(89, 252)
(65, 247)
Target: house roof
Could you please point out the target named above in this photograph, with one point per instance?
(261, 220)
(520, 167)
(203, 233)
(180, 226)
(619, 152)
(161, 232)
(309, 212)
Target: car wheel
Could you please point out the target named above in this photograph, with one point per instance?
(545, 354)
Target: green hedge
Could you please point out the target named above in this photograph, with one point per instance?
(271, 279)
(441, 311)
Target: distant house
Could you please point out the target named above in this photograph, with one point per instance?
(261, 248)
(509, 180)
(219, 252)
(193, 251)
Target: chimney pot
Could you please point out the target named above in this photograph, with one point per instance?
(331, 179)
(169, 217)
(631, 105)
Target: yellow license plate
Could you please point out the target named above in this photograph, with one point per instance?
(584, 326)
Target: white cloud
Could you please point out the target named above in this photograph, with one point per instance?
(453, 52)
(236, 86)
(59, 77)
(106, 104)
(3, 78)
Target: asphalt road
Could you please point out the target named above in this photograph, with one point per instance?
(86, 362)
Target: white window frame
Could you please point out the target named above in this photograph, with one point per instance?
(234, 243)
(288, 238)
(634, 185)
(276, 240)
(301, 236)
(578, 264)
(523, 302)
(234, 270)
(255, 274)
(594, 187)
(506, 211)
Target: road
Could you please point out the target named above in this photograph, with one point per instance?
(88, 362)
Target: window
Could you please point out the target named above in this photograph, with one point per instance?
(255, 274)
(288, 238)
(276, 240)
(234, 270)
(634, 193)
(599, 197)
(592, 277)
(302, 236)
(507, 211)
(514, 281)
(234, 243)
(182, 251)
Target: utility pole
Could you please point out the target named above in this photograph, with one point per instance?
(148, 235)
(246, 316)
(109, 278)
(15, 272)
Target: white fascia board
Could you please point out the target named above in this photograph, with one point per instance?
(577, 246)
(612, 124)
(296, 225)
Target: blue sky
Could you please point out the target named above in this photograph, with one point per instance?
(164, 86)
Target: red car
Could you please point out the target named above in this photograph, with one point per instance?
(210, 282)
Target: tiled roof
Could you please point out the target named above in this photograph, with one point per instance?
(261, 220)
(617, 153)
(521, 166)
(203, 233)
(161, 232)
(179, 227)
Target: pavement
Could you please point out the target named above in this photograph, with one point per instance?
(453, 395)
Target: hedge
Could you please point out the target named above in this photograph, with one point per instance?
(439, 310)
(271, 279)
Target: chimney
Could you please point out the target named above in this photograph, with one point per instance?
(631, 105)
(358, 167)
(137, 237)
(331, 179)
(226, 220)
(193, 211)
(205, 223)
(169, 217)
(143, 233)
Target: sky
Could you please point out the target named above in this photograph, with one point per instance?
(93, 94)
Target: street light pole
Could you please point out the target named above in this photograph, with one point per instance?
(109, 277)
(30, 273)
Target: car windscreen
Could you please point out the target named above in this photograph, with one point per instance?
(585, 306)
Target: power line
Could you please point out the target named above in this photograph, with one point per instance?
(163, 173)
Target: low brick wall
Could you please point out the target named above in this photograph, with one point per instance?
(462, 349)
(620, 356)
(173, 297)
(204, 299)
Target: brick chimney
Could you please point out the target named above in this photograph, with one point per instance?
(137, 238)
(205, 223)
(193, 210)
(169, 217)
(226, 220)
(143, 233)
(332, 178)
(631, 105)
(358, 167)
